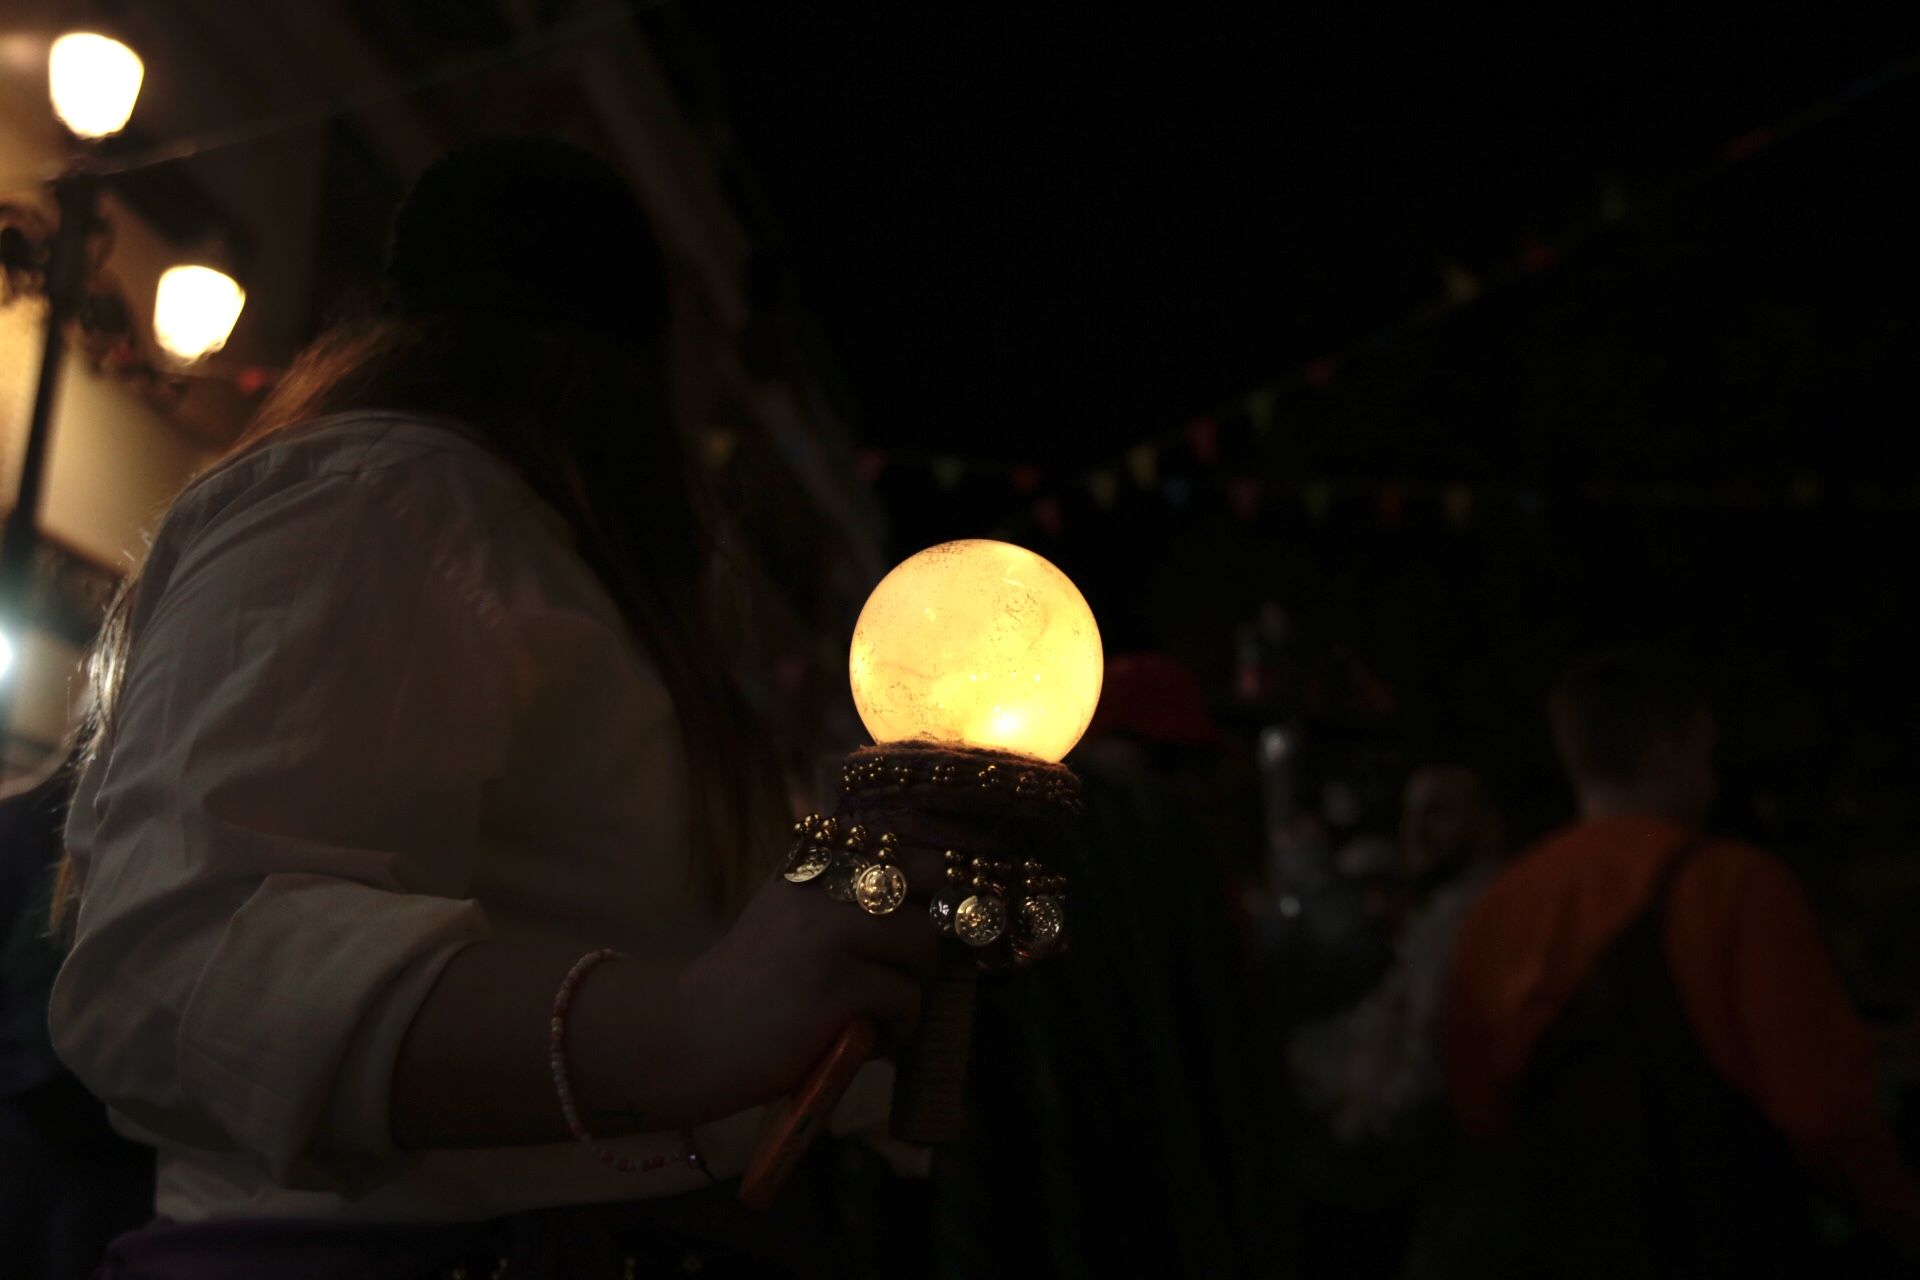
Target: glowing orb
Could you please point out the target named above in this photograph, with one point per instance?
(977, 643)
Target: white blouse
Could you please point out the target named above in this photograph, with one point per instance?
(377, 708)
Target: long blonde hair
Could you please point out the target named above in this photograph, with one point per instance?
(585, 422)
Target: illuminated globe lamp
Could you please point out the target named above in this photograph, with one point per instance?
(976, 665)
(977, 644)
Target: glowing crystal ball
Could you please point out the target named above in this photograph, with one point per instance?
(978, 643)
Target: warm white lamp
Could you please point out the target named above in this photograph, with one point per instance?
(979, 644)
(194, 311)
(94, 81)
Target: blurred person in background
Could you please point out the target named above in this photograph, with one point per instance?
(1372, 1076)
(1388, 1069)
(1371, 872)
(68, 1182)
(1377, 870)
(1646, 1030)
(1325, 935)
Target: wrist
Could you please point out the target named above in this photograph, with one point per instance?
(606, 1120)
(620, 1045)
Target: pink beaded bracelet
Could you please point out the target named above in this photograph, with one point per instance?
(557, 1059)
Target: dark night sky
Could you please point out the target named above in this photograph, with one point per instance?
(1043, 236)
(1041, 232)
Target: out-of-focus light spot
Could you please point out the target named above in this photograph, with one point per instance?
(194, 311)
(1274, 745)
(93, 81)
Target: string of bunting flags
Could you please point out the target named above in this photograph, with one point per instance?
(1458, 504)
(1139, 467)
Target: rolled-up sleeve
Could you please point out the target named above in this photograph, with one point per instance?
(276, 841)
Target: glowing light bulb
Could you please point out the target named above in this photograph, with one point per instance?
(6, 655)
(194, 311)
(977, 643)
(94, 82)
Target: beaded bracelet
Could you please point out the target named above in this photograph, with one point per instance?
(557, 1059)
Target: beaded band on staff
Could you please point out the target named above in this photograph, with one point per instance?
(999, 898)
(557, 1059)
(942, 776)
(1009, 911)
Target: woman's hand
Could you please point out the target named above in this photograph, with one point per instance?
(653, 1045)
(753, 1013)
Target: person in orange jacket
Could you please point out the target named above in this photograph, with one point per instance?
(1646, 1020)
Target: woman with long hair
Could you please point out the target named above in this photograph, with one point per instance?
(422, 830)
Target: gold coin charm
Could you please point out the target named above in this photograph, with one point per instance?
(880, 889)
(945, 908)
(806, 834)
(837, 880)
(980, 920)
(808, 863)
(1041, 921)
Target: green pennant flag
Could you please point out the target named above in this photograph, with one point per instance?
(1318, 497)
(1260, 410)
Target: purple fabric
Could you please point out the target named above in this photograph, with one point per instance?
(708, 1232)
(293, 1250)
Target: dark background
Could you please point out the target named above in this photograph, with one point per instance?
(1681, 401)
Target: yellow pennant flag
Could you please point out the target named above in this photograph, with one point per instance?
(1144, 462)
